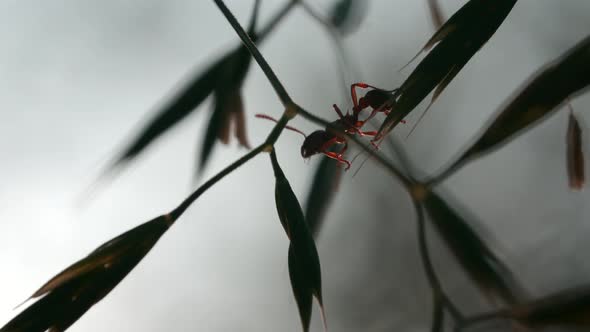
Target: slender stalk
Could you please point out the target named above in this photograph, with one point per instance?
(402, 156)
(438, 314)
(429, 268)
(446, 173)
(177, 212)
(272, 77)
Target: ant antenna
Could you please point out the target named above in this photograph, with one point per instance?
(361, 166)
(268, 117)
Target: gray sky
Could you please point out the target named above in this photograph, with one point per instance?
(78, 78)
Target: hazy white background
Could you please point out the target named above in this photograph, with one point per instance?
(78, 78)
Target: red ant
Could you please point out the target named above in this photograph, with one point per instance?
(320, 141)
(377, 99)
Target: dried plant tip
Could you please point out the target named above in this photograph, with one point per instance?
(303, 258)
(575, 154)
(239, 119)
(232, 114)
(228, 100)
(76, 289)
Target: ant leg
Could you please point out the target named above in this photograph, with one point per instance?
(368, 133)
(337, 157)
(386, 112)
(343, 149)
(374, 142)
(353, 92)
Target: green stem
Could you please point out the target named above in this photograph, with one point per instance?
(429, 268)
(177, 212)
(272, 77)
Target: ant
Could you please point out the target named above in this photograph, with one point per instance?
(320, 141)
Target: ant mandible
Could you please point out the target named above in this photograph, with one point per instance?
(320, 141)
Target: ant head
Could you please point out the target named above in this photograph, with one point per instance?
(313, 143)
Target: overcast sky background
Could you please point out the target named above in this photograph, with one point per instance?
(78, 78)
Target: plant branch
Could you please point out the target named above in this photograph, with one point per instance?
(437, 290)
(272, 77)
(177, 212)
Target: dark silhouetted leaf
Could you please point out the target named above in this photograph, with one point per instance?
(185, 101)
(227, 73)
(568, 308)
(575, 154)
(560, 80)
(458, 40)
(73, 291)
(436, 15)
(228, 106)
(304, 261)
(323, 188)
(491, 275)
(347, 15)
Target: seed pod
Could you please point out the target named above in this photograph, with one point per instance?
(304, 261)
(558, 81)
(76, 289)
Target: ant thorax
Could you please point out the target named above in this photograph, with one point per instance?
(347, 124)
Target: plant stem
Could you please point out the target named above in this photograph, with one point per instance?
(272, 77)
(177, 212)
(429, 268)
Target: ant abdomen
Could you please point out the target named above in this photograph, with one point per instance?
(374, 99)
